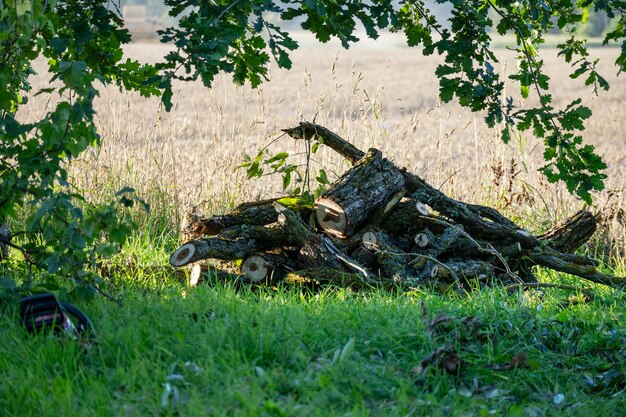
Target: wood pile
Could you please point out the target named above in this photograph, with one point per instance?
(380, 225)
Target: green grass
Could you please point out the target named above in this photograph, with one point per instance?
(282, 352)
(228, 350)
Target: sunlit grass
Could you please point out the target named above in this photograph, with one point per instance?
(260, 351)
(228, 349)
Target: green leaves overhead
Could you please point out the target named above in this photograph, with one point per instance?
(232, 36)
(82, 43)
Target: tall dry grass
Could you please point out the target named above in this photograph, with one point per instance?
(384, 97)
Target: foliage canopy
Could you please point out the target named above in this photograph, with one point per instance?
(82, 42)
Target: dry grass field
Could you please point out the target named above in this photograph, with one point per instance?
(380, 95)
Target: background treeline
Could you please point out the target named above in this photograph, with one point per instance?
(597, 24)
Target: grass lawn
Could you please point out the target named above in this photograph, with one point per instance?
(222, 350)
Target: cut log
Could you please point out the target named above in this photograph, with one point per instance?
(258, 213)
(423, 239)
(405, 219)
(391, 260)
(468, 269)
(451, 237)
(575, 265)
(313, 253)
(307, 130)
(259, 267)
(212, 247)
(256, 268)
(233, 243)
(271, 236)
(422, 209)
(575, 232)
(463, 214)
(317, 251)
(369, 186)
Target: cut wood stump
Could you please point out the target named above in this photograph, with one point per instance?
(260, 267)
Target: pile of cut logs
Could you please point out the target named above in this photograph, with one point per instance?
(380, 225)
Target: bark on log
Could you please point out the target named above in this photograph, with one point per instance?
(405, 219)
(391, 260)
(316, 251)
(332, 276)
(576, 231)
(364, 189)
(5, 239)
(451, 237)
(234, 243)
(258, 213)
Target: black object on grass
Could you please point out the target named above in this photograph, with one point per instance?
(42, 312)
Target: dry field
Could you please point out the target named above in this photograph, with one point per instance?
(382, 96)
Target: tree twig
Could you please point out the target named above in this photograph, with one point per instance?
(489, 250)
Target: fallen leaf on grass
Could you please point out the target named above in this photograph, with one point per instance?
(492, 393)
(443, 359)
(607, 382)
(464, 328)
(170, 397)
(347, 350)
(464, 391)
(517, 361)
